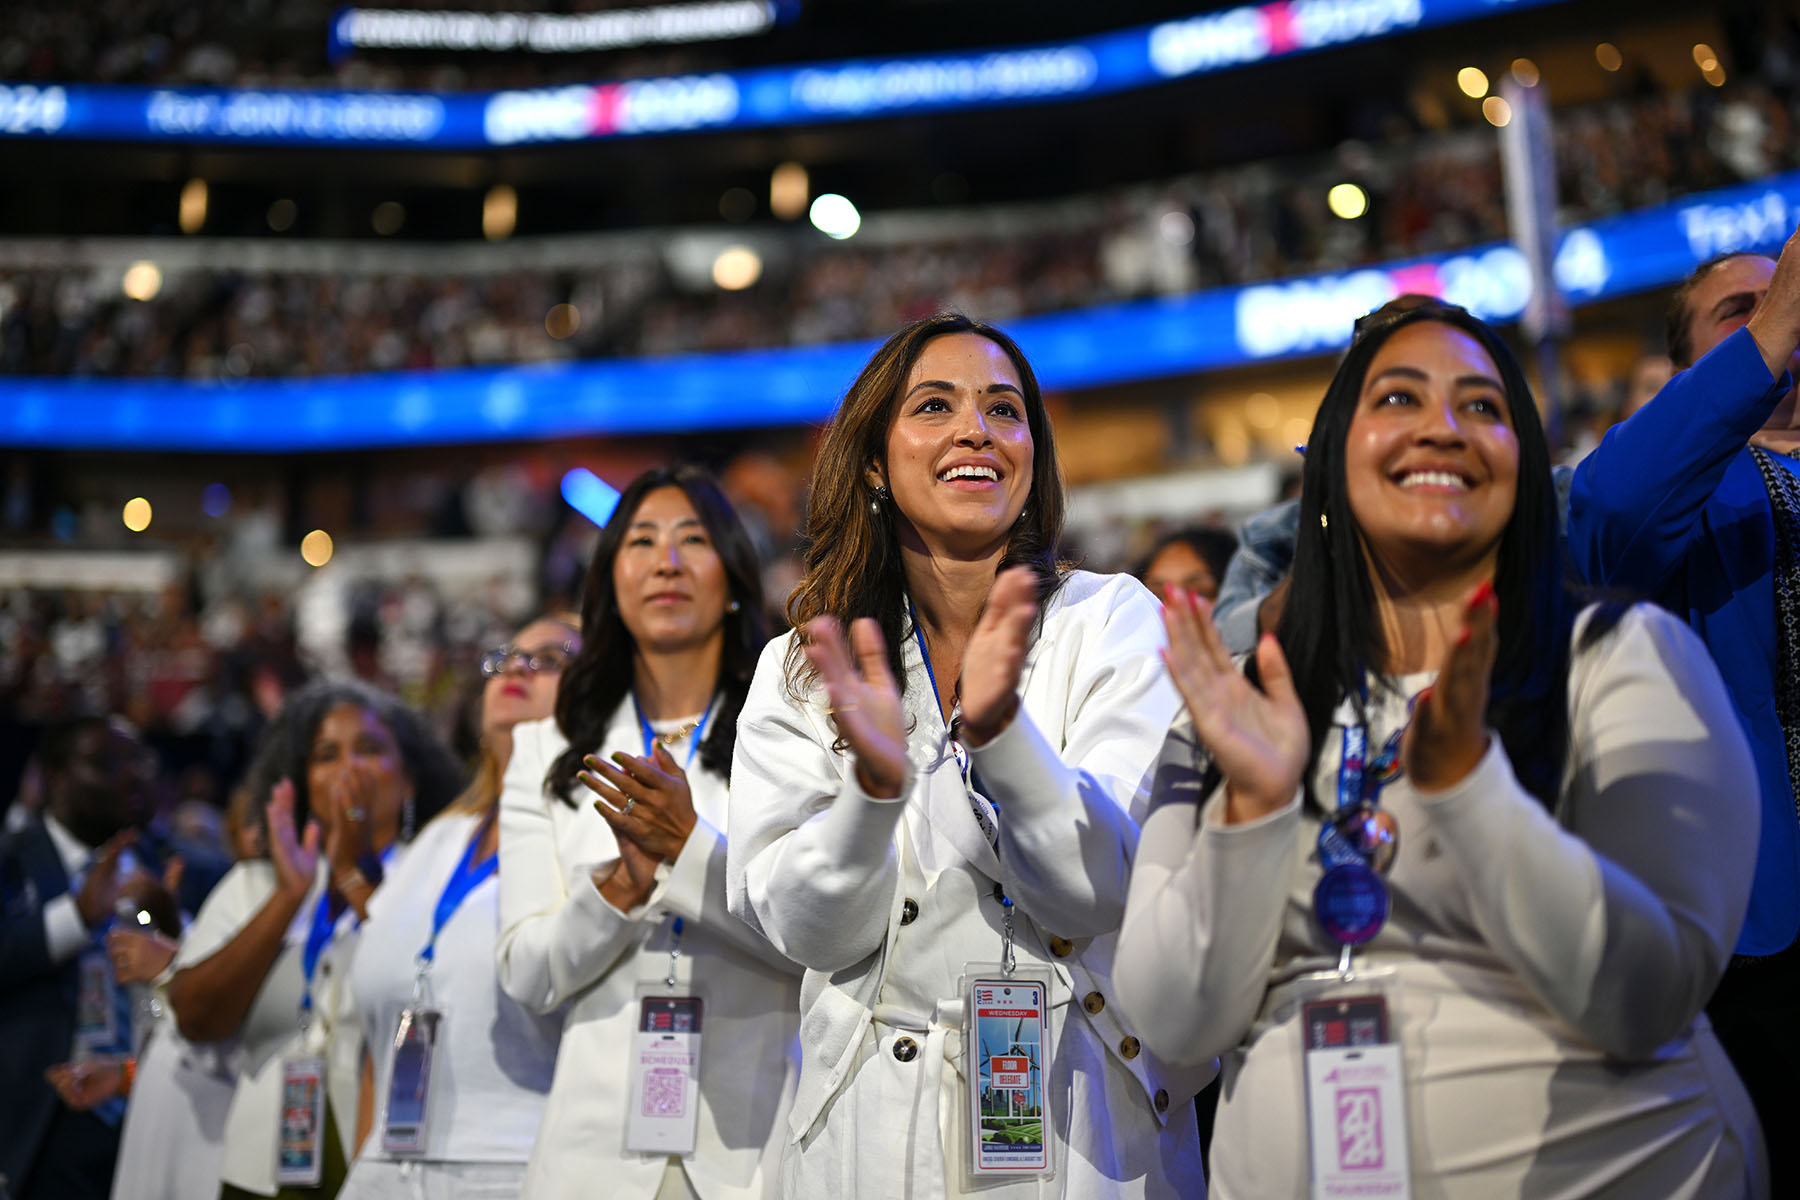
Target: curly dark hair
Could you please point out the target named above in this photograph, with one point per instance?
(285, 745)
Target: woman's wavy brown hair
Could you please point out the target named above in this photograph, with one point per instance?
(852, 548)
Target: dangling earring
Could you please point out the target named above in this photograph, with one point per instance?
(1324, 521)
(881, 495)
(408, 816)
(734, 606)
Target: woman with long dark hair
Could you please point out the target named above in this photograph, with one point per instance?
(950, 797)
(612, 854)
(348, 774)
(1447, 871)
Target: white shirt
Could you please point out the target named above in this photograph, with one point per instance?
(65, 933)
(561, 943)
(271, 1029)
(491, 1068)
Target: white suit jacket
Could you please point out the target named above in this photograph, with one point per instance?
(561, 943)
(814, 860)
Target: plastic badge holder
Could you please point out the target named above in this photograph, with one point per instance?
(664, 1098)
(1006, 1069)
(1355, 1083)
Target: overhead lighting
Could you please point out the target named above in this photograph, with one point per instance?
(137, 514)
(1525, 72)
(1497, 111)
(590, 495)
(316, 548)
(191, 212)
(1608, 56)
(736, 268)
(499, 212)
(1348, 201)
(142, 280)
(562, 321)
(1716, 76)
(835, 217)
(1473, 81)
(789, 188)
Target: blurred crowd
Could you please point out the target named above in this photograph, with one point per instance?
(1432, 193)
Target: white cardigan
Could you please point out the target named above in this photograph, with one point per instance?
(562, 943)
(815, 861)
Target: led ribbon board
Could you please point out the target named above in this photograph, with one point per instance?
(1086, 348)
(750, 99)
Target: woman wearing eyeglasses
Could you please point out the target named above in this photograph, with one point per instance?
(456, 1072)
(612, 893)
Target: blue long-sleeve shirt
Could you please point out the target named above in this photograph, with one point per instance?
(1671, 504)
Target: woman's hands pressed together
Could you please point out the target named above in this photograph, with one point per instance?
(1258, 738)
(294, 855)
(864, 700)
(651, 810)
(1448, 734)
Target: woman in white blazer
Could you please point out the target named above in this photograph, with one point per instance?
(865, 848)
(612, 856)
(357, 772)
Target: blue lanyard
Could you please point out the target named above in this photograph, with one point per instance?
(964, 763)
(468, 876)
(316, 939)
(650, 734)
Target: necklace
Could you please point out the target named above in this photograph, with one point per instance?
(676, 735)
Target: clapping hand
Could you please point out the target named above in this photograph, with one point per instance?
(1258, 738)
(645, 800)
(864, 700)
(1448, 734)
(995, 656)
(294, 855)
(138, 955)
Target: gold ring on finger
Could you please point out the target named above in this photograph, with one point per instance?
(629, 805)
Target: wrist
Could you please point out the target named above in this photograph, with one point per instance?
(979, 733)
(877, 785)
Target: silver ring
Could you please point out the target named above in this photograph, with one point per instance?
(629, 805)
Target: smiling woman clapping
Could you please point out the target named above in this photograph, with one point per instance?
(950, 795)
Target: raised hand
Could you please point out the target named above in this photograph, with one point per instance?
(100, 890)
(1258, 739)
(864, 700)
(1448, 734)
(137, 955)
(295, 856)
(645, 800)
(1775, 325)
(350, 840)
(995, 655)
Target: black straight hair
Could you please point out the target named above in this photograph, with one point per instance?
(1330, 628)
(599, 678)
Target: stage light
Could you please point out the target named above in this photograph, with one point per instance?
(1608, 56)
(1704, 58)
(137, 514)
(281, 215)
(1176, 227)
(1473, 81)
(835, 217)
(590, 495)
(1716, 76)
(1525, 72)
(215, 501)
(1497, 111)
(316, 548)
(736, 268)
(562, 321)
(142, 280)
(191, 212)
(387, 218)
(499, 212)
(737, 205)
(1347, 201)
(789, 188)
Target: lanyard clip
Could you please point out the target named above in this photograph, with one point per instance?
(1008, 962)
(674, 952)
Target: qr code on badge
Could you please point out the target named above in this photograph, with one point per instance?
(665, 1094)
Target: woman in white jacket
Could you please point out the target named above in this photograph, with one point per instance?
(1576, 816)
(612, 857)
(897, 797)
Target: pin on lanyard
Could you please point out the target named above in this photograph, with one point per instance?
(650, 734)
(468, 876)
